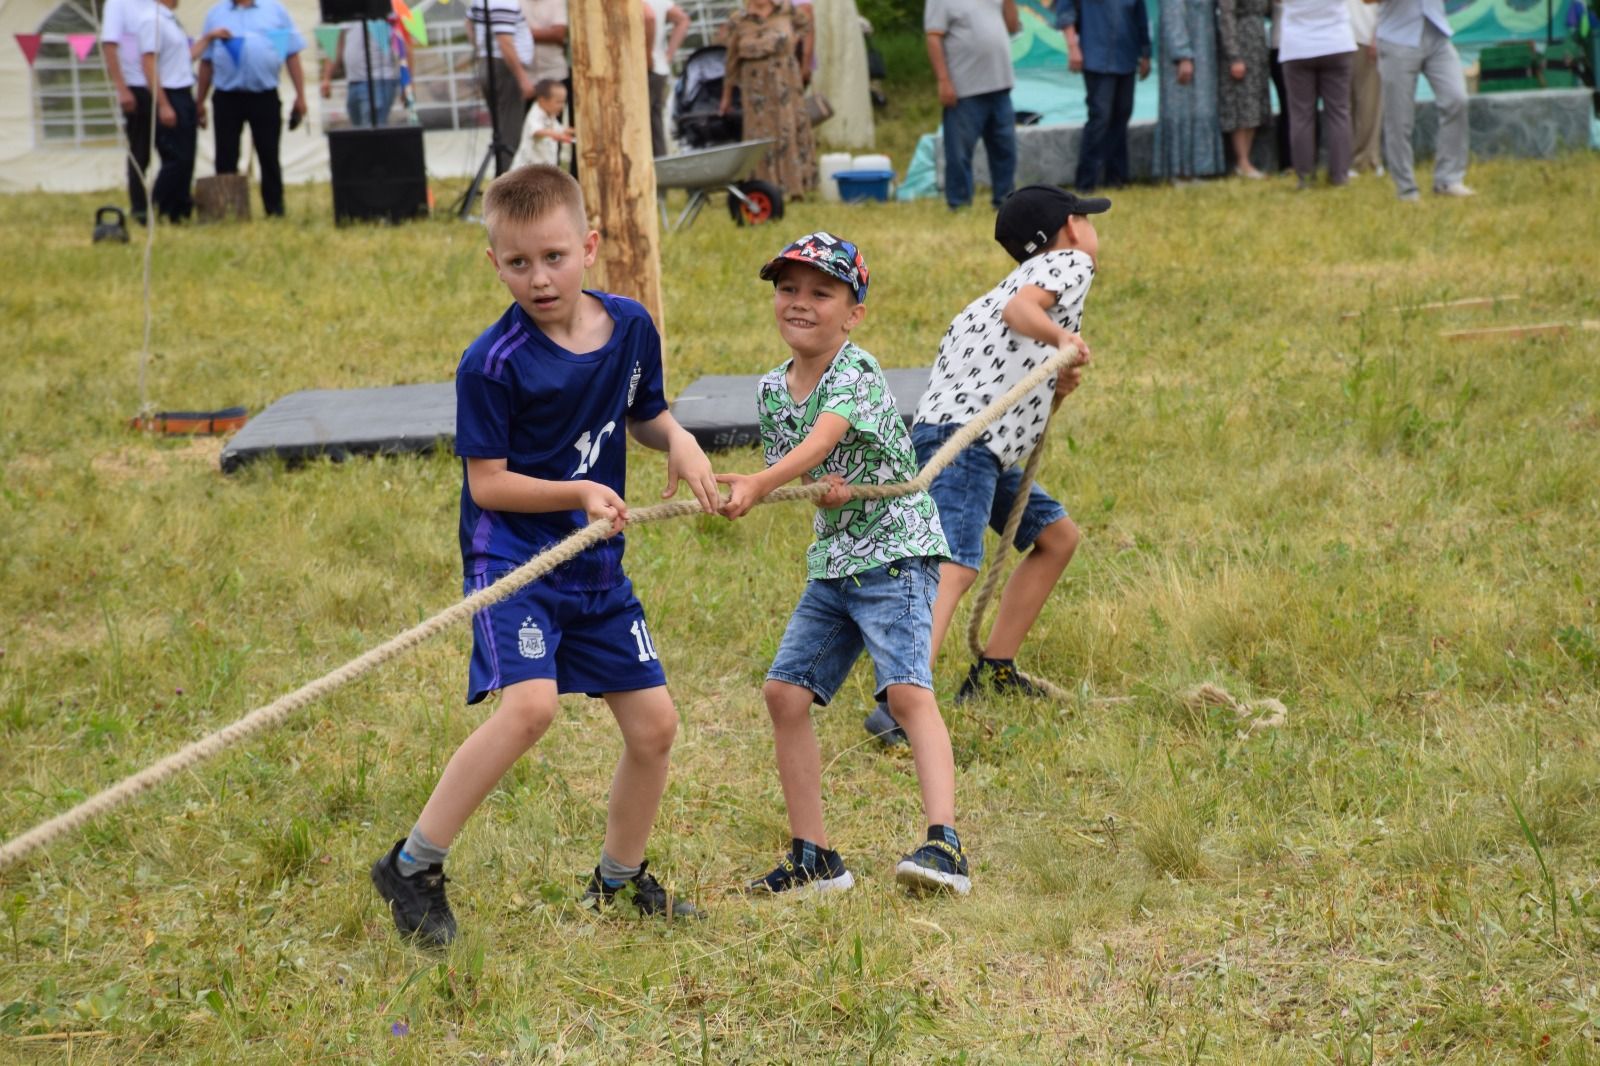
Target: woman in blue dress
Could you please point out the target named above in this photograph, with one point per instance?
(1188, 137)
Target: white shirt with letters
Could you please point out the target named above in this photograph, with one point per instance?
(980, 357)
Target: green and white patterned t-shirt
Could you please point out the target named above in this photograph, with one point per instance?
(875, 450)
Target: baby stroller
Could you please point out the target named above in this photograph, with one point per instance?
(697, 96)
(696, 123)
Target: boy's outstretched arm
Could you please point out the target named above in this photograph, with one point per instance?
(495, 488)
(1028, 313)
(750, 489)
(685, 459)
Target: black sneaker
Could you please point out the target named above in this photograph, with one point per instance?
(826, 873)
(881, 724)
(417, 903)
(642, 891)
(999, 677)
(935, 867)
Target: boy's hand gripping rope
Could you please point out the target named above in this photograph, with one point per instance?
(271, 714)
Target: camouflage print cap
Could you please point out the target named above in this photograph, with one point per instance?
(834, 256)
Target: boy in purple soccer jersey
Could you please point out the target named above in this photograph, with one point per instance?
(543, 399)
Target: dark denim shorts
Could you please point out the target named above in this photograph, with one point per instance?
(887, 610)
(975, 491)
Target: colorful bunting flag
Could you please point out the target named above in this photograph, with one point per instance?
(235, 47)
(328, 41)
(29, 43)
(416, 28)
(378, 30)
(401, 10)
(81, 44)
(282, 41)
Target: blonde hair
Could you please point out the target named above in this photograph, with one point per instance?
(530, 193)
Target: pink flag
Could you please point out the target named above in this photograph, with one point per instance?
(82, 44)
(29, 43)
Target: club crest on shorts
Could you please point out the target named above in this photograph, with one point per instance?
(530, 640)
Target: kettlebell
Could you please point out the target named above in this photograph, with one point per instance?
(110, 224)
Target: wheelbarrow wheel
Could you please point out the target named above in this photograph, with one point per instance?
(766, 203)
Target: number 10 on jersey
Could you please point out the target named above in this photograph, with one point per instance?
(641, 637)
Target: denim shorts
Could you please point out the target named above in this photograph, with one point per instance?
(589, 642)
(975, 491)
(887, 610)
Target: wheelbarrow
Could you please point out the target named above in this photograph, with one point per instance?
(708, 170)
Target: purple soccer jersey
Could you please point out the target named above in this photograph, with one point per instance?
(558, 416)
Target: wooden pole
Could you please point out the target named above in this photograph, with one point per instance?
(616, 167)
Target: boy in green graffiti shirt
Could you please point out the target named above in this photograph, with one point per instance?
(827, 415)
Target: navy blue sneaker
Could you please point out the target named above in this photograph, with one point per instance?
(642, 891)
(935, 867)
(881, 724)
(417, 903)
(999, 676)
(805, 869)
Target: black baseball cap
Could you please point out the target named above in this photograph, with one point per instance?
(1029, 218)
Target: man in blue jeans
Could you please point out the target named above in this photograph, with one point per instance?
(969, 45)
(1106, 41)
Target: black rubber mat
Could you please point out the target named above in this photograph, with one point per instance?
(720, 410)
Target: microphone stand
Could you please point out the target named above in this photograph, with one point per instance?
(372, 96)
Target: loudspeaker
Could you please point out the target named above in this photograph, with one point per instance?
(354, 10)
(378, 174)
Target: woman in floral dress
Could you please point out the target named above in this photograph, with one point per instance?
(1242, 77)
(1188, 137)
(761, 40)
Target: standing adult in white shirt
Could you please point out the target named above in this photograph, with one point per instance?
(1414, 37)
(167, 62)
(670, 23)
(119, 50)
(1317, 50)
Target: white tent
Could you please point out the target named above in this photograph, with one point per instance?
(60, 130)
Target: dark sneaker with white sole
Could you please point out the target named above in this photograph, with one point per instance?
(642, 892)
(998, 676)
(807, 869)
(881, 724)
(417, 903)
(935, 867)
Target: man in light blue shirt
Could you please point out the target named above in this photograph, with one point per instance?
(249, 41)
(1414, 37)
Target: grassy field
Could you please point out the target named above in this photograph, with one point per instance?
(1393, 534)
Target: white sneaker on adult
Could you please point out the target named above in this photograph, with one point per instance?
(1412, 197)
(1455, 189)
(1378, 170)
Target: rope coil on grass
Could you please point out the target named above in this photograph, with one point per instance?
(51, 830)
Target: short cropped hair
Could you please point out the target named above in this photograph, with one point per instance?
(545, 86)
(530, 193)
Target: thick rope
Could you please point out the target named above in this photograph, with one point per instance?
(275, 712)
